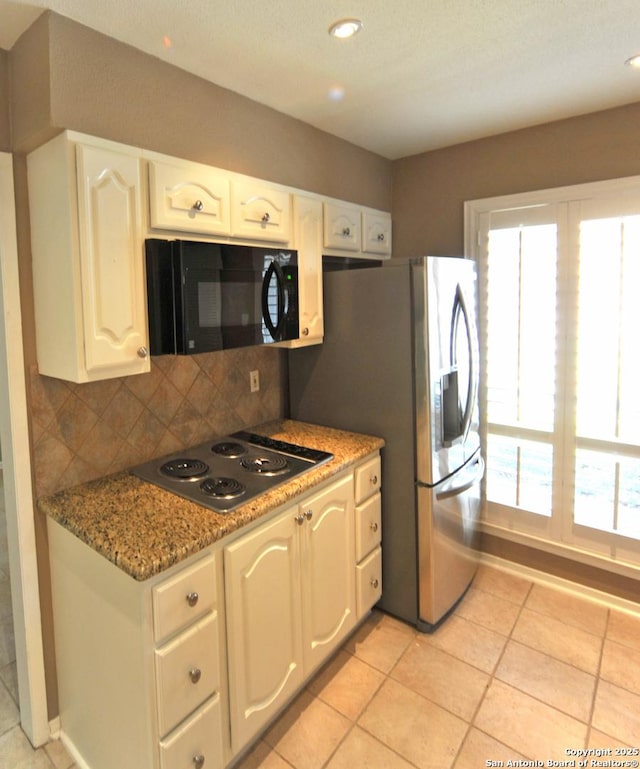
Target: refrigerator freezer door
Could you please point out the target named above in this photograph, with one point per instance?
(447, 541)
(446, 365)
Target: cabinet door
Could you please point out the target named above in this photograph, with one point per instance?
(189, 197)
(342, 226)
(376, 232)
(308, 242)
(328, 573)
(263, 624)
(111, 259)
(260, 212)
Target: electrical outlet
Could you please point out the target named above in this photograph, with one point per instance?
(254, 381)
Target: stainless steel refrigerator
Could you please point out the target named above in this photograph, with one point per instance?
(400, 360)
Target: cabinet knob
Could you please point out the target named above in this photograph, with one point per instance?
(300, 519)
(266, 218)
(346, 231)
(192, 598)
(198, 206)
(142, 352)
(381, 237)
(374, 583)
(195, 675)
(198, 761)
(374, 480)
(308, 514)
(373, 526)
(305, 331)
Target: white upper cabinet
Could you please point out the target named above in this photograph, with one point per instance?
(342, 226)
(189, 197)
(85, 199)
(351, 230)
(260, 211)
(376, 232)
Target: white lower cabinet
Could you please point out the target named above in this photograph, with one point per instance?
(186, 669)
(290, 595)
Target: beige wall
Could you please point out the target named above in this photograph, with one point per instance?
(5, 139)
(429, 190)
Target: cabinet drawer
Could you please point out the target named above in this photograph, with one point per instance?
(368, 582)
(376, 233)
(368, 523)
(260, 212)
(367, 479)
(187, 672)
(189, 197)
(184, 598)
(198, 738)
(342, 227)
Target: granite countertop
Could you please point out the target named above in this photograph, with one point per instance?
(144, 530)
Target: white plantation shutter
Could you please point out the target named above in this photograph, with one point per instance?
(559, 297)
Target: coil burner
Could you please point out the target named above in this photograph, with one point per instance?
(272, 465)
(182, 469)
(222, 488)
(230, 449)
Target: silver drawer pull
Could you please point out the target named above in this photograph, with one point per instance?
(308, 514)
(143, 352)
(266, 218)
(198, 205)
(374, 480)
(374, 583)
(381, 237)
(346, 231)
(373, 526)
(300, 519)
(198, 761)
(194, 675)
(192, 598)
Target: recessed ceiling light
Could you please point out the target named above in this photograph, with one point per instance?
(345, 28)
(633, 61)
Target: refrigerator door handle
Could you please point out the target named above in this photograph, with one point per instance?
(470, 481)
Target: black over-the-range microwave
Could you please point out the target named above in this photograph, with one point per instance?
(204, 297)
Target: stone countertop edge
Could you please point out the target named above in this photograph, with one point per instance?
(145, 530)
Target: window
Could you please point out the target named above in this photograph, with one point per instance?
(559, 303)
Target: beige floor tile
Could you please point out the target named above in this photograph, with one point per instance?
(381, 641)
(502, 584)
(16, 752)
(527, 725)
(58, 755)
(347, 684)
(479, 749)
(564, 642)
(469, 642)
(557, 684)
(568, 608)
(419, 730)
(617, 713)
(488, 610)
(624, 629)
(604, 742)
(621, 665)
(360, 749)
(307, 733)
(441, 678)
(9, 714)
(262, 756)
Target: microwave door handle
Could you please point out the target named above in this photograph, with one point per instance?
(471, 481)
(274, 328)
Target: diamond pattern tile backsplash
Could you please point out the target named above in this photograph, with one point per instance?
(85, 431)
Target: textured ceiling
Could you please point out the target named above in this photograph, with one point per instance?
(422, 74)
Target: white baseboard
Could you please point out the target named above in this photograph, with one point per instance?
(550, 580)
